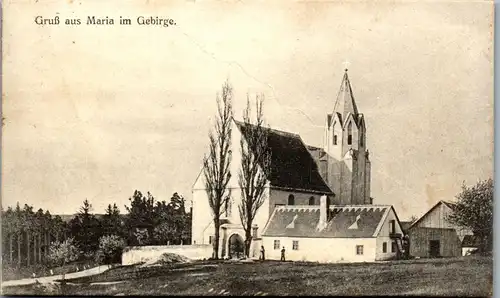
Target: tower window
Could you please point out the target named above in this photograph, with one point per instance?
(311, 201)
(361, 141)
(335, 140)
(291, 200)
(349, 134)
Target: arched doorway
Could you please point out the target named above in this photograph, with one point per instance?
(236, 246)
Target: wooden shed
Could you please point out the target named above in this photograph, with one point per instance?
(434, 242)
(433, 236)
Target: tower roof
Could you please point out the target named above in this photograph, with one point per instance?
(345, 103)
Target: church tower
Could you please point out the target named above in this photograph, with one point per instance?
(348, 165)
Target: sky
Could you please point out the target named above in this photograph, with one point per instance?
(96, 112)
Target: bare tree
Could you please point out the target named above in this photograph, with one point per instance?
(255, 164)
(216, 166)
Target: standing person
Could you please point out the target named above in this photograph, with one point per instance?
(283, 254)
(262, 253)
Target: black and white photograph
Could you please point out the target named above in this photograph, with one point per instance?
(247, 148)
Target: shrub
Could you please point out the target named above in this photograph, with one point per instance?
(64, 252)
(110, 249)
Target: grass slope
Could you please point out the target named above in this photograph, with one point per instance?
(470, 276)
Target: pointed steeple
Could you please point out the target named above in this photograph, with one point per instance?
(345, 100)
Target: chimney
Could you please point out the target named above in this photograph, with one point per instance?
(323, 212)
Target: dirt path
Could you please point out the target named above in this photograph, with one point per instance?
(46, 279)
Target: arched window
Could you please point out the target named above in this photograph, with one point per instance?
(361, 141)
(291, 200)
(311, 201)
(349, 134)
(334, 139)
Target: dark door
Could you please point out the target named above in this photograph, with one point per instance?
(434, 248)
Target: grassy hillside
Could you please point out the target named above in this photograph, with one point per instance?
(469, 276)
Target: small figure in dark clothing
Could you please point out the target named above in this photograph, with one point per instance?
(262, 253)
(283, 254)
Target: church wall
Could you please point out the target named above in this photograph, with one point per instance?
(202, 216)
(357, 186)
(321, 249)
(346, 181)
(334, 175)
(202, 224)
(367, 181)
(280, 197)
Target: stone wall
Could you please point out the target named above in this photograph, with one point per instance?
(137, 254)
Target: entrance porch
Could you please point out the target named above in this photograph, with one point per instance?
(232, 242)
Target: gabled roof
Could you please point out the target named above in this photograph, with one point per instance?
(292, 166)
(447, 204)
(305, 221)
(450, 205)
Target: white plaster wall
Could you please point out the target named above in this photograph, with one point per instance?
(138, 254)
(202, 216)
(322, 249)
(279, 196)
(383, 236)
(380, 255)
(385, 229)
(202, 223)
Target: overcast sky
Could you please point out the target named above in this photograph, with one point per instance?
(97, 112)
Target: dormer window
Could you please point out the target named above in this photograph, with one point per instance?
(291, 200)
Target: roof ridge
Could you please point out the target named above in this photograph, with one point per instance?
(270, 128)
(290, 207)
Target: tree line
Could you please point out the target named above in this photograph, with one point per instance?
(31, 237)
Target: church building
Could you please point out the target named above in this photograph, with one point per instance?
(320, 193)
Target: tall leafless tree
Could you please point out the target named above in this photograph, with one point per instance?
(216, 165)
(255, 164)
